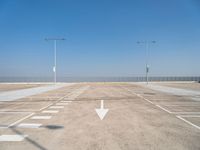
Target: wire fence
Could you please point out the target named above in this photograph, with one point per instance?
(99, 79)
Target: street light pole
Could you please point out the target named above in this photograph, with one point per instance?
(147, 66)
(147, 56)
(55, 62)
(55, 55)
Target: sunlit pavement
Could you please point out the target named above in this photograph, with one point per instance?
(66, 118)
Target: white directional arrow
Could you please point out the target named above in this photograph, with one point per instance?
(101, 112)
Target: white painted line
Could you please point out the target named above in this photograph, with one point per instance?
(41, 117)
(14, 112)
(190, 116)
(12, 138)
(164, 109)
(182, 105)
(50, 111)
(3, 127)
(147, 100)
(16, 122)
(56, 107)
(53, 97)
(157, 99)
(138, 95)
(64, 101)
(186, 113)
(188, 122)
(68, 101)
(29, 125)
(45, 107)
(61, 103)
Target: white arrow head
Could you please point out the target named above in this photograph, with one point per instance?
(101, 112)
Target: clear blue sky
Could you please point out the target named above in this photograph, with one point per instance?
(101, 37)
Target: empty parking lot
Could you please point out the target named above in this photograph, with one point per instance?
(139, 117)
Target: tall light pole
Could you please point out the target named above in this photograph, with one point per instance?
(55, 55)
(147, 55)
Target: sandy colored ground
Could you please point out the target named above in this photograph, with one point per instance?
(136, 119)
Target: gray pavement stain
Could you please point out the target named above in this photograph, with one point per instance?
(29, 140)
(53, 127)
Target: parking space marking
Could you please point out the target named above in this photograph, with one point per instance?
(186, 112)
(190, 123)
(29, 125)
(12, 138)
(177, 112)
(65, 101)
(190, 116)
(50, 105)
(56, 107)
(189, 105)
(138, 95)
(3, 127)
(16, 122)
(61, 103)
(164, 109)
(41, 117)
(178, 116)
(19, 110)
(45, 107)
(14, 112)
(145, 99)
(50, 111)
